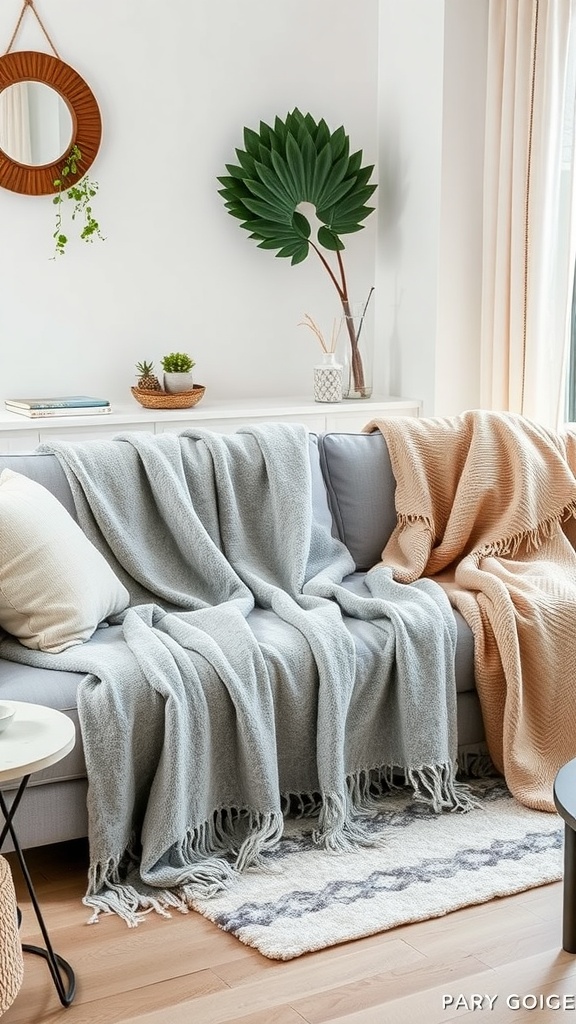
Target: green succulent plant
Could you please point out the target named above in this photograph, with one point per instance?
(299, 161)
(177, 362)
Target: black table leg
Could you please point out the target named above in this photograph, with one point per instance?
(57, 965)
(569, 891)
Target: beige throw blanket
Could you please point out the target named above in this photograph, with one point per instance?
(485, 504)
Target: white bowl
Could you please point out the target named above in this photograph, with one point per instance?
(7, 712)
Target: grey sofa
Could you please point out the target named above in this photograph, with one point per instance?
(353, 489)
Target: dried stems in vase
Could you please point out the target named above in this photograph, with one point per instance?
(310, 323)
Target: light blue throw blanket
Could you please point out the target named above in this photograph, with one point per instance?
(253, 671)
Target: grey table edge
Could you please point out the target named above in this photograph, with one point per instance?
(565, 801)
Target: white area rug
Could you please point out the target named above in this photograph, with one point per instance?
(427, 865)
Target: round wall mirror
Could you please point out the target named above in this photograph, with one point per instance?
(46, 108)
(35, 124)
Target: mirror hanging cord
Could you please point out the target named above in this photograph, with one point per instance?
(25, 5)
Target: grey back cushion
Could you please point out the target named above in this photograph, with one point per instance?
(320, 507)
(45, 470)
(361, 490)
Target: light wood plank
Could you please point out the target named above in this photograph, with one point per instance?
(272, 1015)
(37, 1002)
(522, 977)
(385, 987)
(526, 933)
(278, 987)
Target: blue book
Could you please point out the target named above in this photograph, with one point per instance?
(68, 402)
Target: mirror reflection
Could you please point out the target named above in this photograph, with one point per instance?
(35, 124)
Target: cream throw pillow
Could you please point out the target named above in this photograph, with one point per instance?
(55, 586)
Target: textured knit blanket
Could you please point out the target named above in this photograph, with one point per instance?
(245, 679)
(484, 505)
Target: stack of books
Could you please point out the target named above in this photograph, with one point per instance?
(69, 405)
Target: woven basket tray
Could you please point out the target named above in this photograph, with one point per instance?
(167, 400)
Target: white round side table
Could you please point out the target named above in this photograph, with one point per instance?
(36, 737)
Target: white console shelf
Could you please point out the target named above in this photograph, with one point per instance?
(19, 434)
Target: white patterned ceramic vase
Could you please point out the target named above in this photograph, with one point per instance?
(328, 380)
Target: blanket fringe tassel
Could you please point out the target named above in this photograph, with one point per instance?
(438, 787)
(202, 874)
(133, 901)
(532, 539)
(211, 856)
(435, 785)
(340, 829)
(262, 837)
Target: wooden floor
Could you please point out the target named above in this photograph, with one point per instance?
(186, 971)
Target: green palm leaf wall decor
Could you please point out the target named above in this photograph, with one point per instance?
(298, 161)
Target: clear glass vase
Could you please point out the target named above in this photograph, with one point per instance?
(355, 349)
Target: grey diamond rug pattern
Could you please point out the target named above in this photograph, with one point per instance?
(426, 866)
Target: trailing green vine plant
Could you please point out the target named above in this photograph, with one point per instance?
(81, 193)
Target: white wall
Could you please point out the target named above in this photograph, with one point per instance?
(431, 118)
(410, 121)
(457, 368)
(176, 83)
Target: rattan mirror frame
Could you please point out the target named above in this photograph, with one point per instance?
(35, 66)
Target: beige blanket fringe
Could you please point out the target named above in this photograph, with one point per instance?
(486, 505)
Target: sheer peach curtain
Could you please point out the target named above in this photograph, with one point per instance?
(529, 236)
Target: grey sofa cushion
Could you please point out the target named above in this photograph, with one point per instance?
(361, 489)
(55, 689)
(320, 507)
(45, 470)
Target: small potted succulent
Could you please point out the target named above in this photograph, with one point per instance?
(178, 377)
